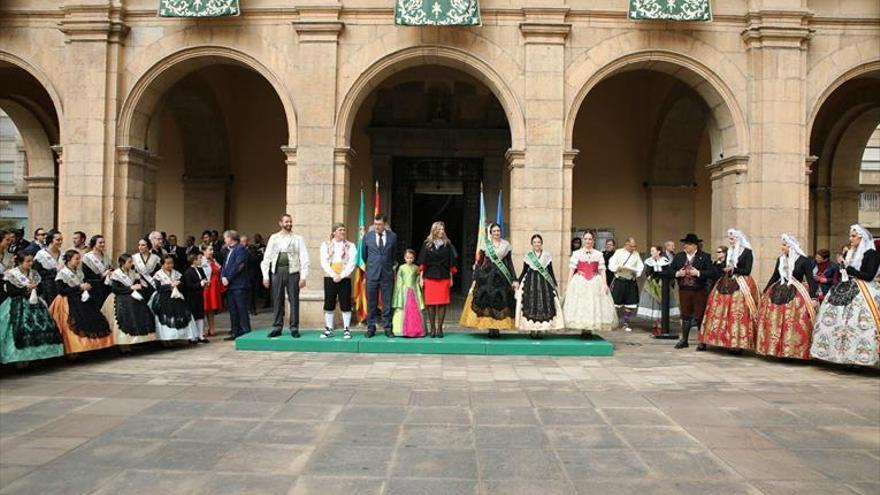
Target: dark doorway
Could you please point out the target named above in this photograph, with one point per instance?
(426, 190)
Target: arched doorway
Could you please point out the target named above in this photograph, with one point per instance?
(203, 135)
(29, 133)
(845, 150)
(652, 137)
(431, 135)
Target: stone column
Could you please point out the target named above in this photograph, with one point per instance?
(538, 177)
(731, 204)
(313, 184)
(41, 201)
(342, 159)
(93, 33)
(135, 196)
(776, 39)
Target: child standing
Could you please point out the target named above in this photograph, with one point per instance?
(408, 302)
(194, 282)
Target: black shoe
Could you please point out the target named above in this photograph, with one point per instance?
(295, 333)
(230, 337)
(701, 346)
(193, 341)
(439, 334)
(371, 332)
(681, 344)
(389, 333)
(274, 334)
(204, 341)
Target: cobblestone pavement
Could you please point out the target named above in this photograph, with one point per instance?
(649, 420)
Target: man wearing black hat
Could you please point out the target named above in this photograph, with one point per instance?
(692, 268)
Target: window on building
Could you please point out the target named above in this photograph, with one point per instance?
(871, 158)
(869, 201)
(7, 172)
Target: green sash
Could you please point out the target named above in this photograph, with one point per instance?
(490, 252)
(541, 269)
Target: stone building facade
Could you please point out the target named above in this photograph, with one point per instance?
(581, 117)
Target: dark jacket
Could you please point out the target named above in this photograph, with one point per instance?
(235, 268)
(193, 292)
(380, 262)
(438, 263)
(868, 270)
(701, 262)
(179, 253)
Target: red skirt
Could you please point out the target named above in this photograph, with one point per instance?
(213, 292)
(436, 291)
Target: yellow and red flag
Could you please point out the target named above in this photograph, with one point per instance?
(359, 278)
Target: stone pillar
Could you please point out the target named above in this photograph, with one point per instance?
(776, 39)
(731, 204)
(135, 196)
(41, 201)
(538, 179)
(93, 30)
(313, 184)
(342, 159)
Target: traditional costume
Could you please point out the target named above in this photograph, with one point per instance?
(537, 297)
(7, 262)
(491, 303)
(627, 266)
(27, 331)
(285, 263)
(93, 268)
(77, 315)
(588, 304)
(697, 269)
(146, 268)
(658, 275)
(337, 260)
(848, 322)
(47, 265)
(173, 318)
(408, 303)
(127, 311)
(732, 309)
(786, 315)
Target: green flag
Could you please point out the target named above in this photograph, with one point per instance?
(670, 10)
(197, 8)
(437, 12)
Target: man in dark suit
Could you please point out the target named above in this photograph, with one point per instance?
(179, 253)
(692, 268)
(235, 278)
(380, 249)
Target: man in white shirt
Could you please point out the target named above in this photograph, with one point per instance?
(627, 266)
(338, 257)
(285, 267)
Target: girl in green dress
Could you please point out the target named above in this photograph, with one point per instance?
(408, 302)
(27, 331)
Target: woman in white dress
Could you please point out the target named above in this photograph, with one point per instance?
(588, 305)
(849, 320)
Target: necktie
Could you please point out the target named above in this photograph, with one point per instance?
(381, 241)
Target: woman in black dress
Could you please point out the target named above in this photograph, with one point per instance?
(538, 309)
(78, 316)
(47, 262)
(491, 303)
(97, 267)
(131, 317)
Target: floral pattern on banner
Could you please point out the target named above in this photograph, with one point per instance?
(670, 10)
(437, 12)
(197, 8)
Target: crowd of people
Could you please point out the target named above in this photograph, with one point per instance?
(58, 300)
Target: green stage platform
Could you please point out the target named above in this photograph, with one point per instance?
(453, 343)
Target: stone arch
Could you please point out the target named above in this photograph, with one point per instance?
(848, 75)
(729, 131)
(134, 118)
(43, 79)
(428, 55)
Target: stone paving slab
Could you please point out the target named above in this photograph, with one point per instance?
(649, 420)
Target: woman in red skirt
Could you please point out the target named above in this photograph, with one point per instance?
(437, 265)
(213, 291)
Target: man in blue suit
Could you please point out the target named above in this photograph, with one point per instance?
(380, 249)
(234, 275)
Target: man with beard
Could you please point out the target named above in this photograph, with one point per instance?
(285, 268)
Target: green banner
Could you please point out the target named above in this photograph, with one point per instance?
(670, 10)
(437, 12)
(197, 8)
